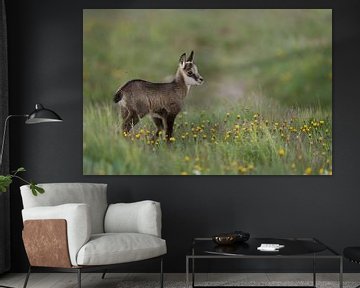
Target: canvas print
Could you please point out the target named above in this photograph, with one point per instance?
(207, 92)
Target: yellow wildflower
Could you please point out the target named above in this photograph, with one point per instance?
(308, 171)
(281, 152)
(242, 170)
(250, 167)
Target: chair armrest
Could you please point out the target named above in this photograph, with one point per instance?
(138, 217)
(78, 223)
(52, 250)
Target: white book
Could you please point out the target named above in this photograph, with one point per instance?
(270, 247)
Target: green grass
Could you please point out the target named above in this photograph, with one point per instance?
(269, 69)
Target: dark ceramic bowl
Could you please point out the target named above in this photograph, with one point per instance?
(231, 238)
(225, 239)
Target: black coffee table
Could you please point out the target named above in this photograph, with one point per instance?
(295, 248)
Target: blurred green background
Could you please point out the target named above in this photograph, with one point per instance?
(281, 54)
(268, 82)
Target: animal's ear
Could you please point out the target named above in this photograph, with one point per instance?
(182, 60)
(191, 57)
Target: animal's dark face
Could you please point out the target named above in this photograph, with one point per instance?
(190, 70)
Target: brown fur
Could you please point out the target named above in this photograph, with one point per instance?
(163, 101)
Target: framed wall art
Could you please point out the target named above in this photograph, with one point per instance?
(207, 92)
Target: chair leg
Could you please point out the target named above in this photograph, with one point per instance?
(27, 277)
(103, 275)
(79, 277)
(161, 273)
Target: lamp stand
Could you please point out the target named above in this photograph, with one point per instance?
(4, 135)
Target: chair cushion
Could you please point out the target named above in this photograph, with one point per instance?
(352, 253)
(137, 217)
(114, 248)
(55, 194)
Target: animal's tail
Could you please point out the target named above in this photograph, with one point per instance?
(118, 96)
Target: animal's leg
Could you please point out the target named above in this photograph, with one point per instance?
(170, 125)
(124, 112)
(126, 126)
(131, 120)
(134, 120)
(125, 115)
(160, 121)
(159, 125)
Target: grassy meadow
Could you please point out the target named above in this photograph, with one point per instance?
(265, 107)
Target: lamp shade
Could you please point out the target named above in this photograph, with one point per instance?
(42, 115)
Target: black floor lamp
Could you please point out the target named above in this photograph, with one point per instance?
(39, 115)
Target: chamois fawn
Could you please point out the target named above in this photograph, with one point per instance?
(163, 101)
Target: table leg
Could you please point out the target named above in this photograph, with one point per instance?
(193, 272)
(187, 272)
(193, 268)
(341, 273)
(314, 271)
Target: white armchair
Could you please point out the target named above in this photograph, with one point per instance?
(72, 228)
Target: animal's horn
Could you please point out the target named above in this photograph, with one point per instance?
(191, 57)
(182, 58)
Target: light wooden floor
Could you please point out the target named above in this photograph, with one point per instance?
(113, 280)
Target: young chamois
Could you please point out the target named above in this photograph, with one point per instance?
(163, 101)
